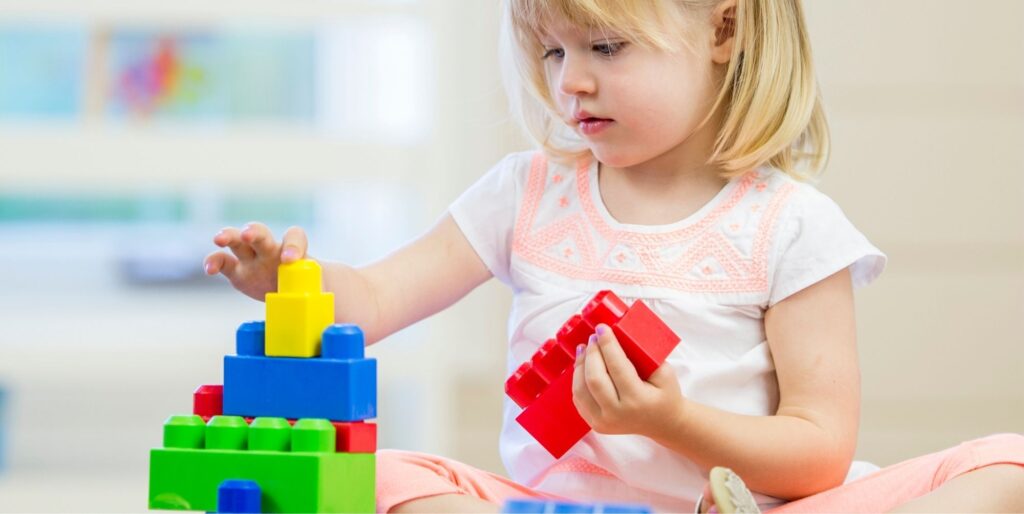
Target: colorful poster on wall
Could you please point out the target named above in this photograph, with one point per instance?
(41, 72)
(212, 76)
(166, 75)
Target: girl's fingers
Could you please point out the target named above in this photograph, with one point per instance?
(220, 262)
(231, 238)
(581, 396)
(595, 376)
(293, 245)
(259, 238)
(663, 377)
(621, 370)
(225, 236)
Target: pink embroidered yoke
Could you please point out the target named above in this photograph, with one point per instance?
(542, 229)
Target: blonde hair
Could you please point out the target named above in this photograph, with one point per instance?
(771, 107)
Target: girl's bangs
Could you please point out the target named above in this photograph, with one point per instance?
(640, 21)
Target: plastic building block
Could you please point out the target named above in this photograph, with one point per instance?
(238, 497)
(525, 385)
(551, 360)
(269, 434)
(313, 435)
(208, 401)
(605, 308)
(227, 433)
(542, 386)
(553, 420)
(333, 389)
(537, 506)
(355, 437)
(343, 341)
(313, 478)
(645, 339)
(298, 312)
(184, 432)
(250, 338)
(350, 436)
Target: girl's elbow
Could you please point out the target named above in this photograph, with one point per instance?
(823, 471)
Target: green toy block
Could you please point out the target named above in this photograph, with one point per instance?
(291, 482)
(296, 468)
(313, 435)
(269, 434)
(227, 433)
(184, 432)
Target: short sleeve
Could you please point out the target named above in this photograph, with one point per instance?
(486, 214)
(816, 240)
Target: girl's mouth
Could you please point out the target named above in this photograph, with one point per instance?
(593, 126)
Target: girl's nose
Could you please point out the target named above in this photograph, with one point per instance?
(576, 78)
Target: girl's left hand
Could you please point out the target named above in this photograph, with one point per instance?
(611, 397)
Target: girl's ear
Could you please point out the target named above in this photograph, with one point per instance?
(724, 20)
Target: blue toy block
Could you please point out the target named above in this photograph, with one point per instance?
(337, 389)
(524, 506)
(238, 497)
(536, 506)
(625, 509)
(250, 338)
(343, 341)
(572, 508)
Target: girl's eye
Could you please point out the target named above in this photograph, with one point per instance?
(609, 48)
(557, 53)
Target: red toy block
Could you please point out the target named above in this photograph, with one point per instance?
(356, 436)
(645, 339)
(553, 419)
(208, 401)
(605, 308)
(525, 385)
(542, 386)
(551, 360)
(573, 333)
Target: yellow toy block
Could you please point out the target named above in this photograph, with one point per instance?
(298, 312)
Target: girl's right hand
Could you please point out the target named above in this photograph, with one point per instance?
(251, 267)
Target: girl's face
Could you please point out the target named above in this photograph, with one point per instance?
(629, 103)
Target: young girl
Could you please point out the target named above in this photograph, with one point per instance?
(672, 135)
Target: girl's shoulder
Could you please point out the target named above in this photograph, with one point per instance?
(802, 198)
(813, 237)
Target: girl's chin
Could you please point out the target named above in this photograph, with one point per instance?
(615, 159)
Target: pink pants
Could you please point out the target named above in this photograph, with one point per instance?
(404, 476)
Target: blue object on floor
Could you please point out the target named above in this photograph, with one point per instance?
(340, 385)
(534, 506)
(239, 497)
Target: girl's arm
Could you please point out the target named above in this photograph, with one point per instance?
(808, 445)
(416, 281)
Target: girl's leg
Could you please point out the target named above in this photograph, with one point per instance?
(995, 488)
(898, 485)
(418, 482)
(446, 503)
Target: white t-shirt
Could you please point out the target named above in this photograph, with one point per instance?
(542, 229)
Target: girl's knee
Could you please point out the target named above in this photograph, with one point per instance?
(996, 449)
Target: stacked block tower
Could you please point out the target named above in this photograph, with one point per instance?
(288, 430)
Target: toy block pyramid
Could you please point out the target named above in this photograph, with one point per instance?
(288, 430)
(542, 385)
